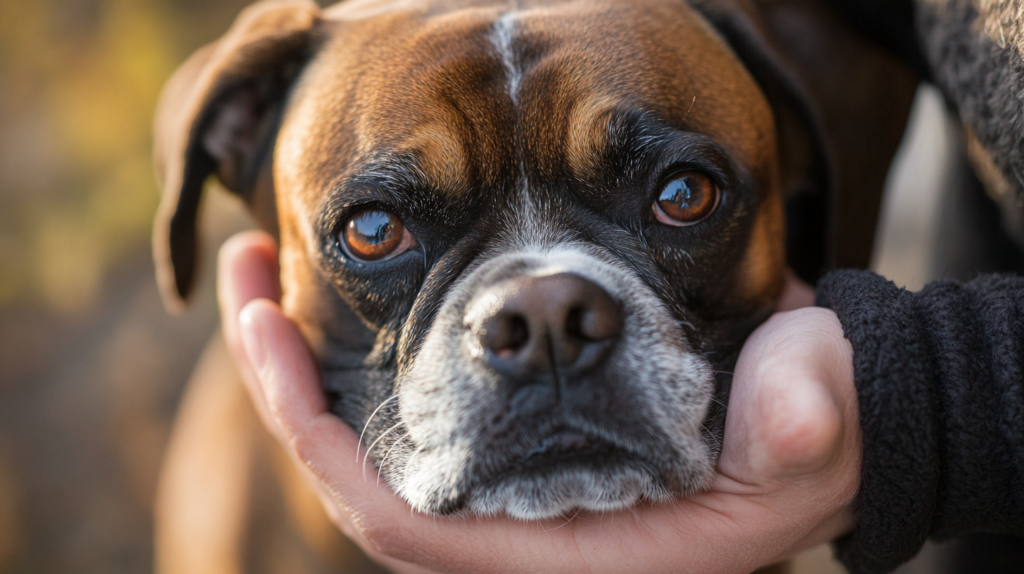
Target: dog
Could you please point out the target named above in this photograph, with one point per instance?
(524, 239)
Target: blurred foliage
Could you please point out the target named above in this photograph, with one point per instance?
(91, 367)
(78, 84)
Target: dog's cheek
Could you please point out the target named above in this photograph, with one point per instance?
(380, 297)
(442, 396)
(675, 400)
(330, 326)
(762, 274)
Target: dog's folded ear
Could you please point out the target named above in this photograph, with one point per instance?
(806, 171)
(219, 115)
(840, 103)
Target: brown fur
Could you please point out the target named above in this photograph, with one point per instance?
(375, 78)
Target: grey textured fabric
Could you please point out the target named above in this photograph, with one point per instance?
(974, 51)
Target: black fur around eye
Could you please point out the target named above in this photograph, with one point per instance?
(688, 198)
(375, 235)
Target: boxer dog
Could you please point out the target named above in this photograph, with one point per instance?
(526, 239)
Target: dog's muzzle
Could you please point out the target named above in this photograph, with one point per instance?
(551, 380)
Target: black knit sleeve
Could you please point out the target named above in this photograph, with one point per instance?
(940, 383)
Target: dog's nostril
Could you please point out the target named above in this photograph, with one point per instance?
(504, 334)
(535, 324)
(599, 321)
(573, 324)
(519, 333)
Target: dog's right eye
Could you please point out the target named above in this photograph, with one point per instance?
(688, 198)
(375, 235)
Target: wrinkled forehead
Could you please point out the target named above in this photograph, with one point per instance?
(467, 94)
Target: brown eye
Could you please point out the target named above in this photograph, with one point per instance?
(373, 235)
(688, 198)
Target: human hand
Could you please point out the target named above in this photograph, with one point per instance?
(785, 481)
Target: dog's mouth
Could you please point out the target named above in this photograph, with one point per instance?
(569, 470)
(569, 449)
(567, 445)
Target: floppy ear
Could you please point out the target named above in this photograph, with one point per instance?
(841, 105)
(806, 171)
(219, 115)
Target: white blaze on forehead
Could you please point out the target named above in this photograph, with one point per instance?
(504, 33)
(503, 38)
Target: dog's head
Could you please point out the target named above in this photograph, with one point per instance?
(524, 239)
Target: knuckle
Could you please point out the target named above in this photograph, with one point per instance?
(303, 447)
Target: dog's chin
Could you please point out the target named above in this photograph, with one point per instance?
(570, 472)
(537, 491)
(566, 473)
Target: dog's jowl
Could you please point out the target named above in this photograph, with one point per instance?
(524, 239)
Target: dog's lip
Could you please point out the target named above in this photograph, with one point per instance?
(564, 447)
(568, 448)
(566, 441)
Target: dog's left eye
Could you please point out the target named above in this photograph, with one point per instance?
(688, 198)
(375, 235)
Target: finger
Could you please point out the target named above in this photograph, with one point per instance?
(791, 438)
(783, 419)
(381, 522)
(247, 269)
(799, 426)
(289, 384)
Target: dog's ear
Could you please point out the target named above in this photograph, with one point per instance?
(806, 170)
(219, 115)
(841, 103)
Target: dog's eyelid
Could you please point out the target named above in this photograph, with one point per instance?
(657, 158)
(412, 202)
(698, 153)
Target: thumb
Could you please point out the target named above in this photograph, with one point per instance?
(784, 418)
(797, 428)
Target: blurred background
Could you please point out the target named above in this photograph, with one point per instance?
(91, 367)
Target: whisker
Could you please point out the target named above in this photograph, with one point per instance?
(380, 467)
(578, 510)
(369, 450)
(373, 414)
(412, 457)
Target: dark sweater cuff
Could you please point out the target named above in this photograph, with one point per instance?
(899, 474)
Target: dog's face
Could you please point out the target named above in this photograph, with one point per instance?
(521, 239)
(548, 218)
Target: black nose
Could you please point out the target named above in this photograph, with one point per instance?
(559, 322)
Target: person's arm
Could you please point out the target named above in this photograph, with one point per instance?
(940, 384)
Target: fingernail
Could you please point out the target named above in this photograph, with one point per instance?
(252, 338)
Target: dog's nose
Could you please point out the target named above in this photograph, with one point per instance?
(535, 324)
